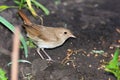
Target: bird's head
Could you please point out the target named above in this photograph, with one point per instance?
(64, 33)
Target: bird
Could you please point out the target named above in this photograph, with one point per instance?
(45, 37)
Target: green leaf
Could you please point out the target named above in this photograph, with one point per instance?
(116, 54)
(37, 4)
(11, 28)
(3, 7)
(31, 8)
(113, 66)
(30, 43)
(21, 4)
(3, 75)
(17, 2)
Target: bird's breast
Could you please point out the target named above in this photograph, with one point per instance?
(44, 44)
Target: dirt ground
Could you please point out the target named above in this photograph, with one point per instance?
(95, 23)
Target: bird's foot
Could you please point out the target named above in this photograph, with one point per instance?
(50, 60)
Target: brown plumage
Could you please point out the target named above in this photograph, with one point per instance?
(45, 37)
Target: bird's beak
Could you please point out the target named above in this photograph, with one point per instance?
(73, 36)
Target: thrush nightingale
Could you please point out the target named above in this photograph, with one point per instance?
(45, 37)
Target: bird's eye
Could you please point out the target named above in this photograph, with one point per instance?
(65, 32)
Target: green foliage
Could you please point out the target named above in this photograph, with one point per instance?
(28, 5)
(20, 4)
(39, 5)
(11, 28)
(29, 43)
(4, 7)
(113, 66)
(3, 75)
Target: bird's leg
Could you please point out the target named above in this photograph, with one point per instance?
(49, 58)
(38, 51)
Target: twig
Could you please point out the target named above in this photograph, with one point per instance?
(15, 55)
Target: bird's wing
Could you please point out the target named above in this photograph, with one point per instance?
(41, 32)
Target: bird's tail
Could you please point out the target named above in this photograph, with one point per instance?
(24, 17)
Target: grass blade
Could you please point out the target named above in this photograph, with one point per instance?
(11, 28)
(4, 7)
(46, 11)
(31, 8)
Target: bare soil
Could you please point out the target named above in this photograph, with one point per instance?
(95, 23)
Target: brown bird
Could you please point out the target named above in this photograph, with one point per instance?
(45, 37)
